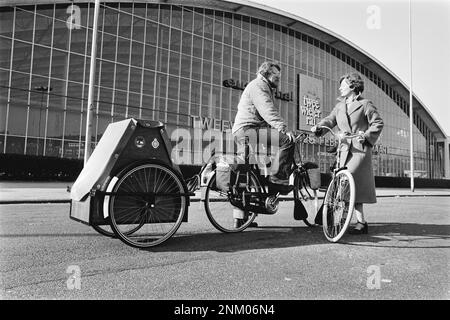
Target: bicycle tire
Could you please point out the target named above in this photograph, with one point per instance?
(225, 222)
(338, 206)
(156, 221)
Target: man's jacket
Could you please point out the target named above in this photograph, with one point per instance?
(256, 107)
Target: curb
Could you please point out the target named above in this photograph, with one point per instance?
(52, 201)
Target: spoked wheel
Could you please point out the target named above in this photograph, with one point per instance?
(308, 197)
(338, 206)
(104, 230)
(149, 205)
(219, 210)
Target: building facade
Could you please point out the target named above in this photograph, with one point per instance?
(186, 63)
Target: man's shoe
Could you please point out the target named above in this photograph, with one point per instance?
(239, 222)
(360, 228)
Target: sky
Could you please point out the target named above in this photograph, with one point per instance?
(381, 28)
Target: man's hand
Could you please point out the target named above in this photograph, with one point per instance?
(291, 135)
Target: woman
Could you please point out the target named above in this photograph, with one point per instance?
(354, 114)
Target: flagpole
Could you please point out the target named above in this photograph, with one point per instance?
(90, 104)
(411, 118)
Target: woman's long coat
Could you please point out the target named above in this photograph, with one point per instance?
(360, 115)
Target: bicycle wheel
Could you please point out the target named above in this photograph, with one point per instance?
(150, 209)
(338, 206)
(308, 197)
(104, 230)
(219, 210)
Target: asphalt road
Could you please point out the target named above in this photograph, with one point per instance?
(405, 256)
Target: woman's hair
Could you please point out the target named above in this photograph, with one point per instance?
(355, 81)
(267, 68)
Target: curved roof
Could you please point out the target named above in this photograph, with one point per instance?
(294, 22)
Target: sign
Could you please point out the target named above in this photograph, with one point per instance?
(206, 123)
(239, 85)
(310, 102)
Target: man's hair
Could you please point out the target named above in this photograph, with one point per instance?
(355, 81)
(267, 68)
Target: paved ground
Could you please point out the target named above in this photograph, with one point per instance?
(18, 192)
(408, 247)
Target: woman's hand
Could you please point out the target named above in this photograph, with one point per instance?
(317, 131)
(361, 138)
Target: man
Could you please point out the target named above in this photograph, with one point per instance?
(256, 110)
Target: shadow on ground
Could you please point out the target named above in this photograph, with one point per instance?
(400, 235)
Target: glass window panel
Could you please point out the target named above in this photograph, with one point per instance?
(236, 58)
(76, 67)
(198, 21)
(120, 100)
(227, 33)
(217, 74)
(149, 81)
(22, 56)
(174, 63)
(184, 89)
(150, 57)
(43, 30)
(59, 64)
(123, 50)
(218, 30)
(187, 20)
(138, 27)
(185, 66)
(217, 52)
(176, 17)
(197, 47)
(227, 55)
(196, 69)
(109, 47)
(56, 96)
(41, 60)
(135, 79)
(164, 37)
(55, 124)
(78, 40)
(164, 14)
(151, 33)
(206, 94)
(208, 27)
(253, 63)
(136, 54)
(107, 75)
(163, 56)
(173, 88)
(5, 53)
(147, 107)
(61, 35)
(133, 104)
(6, 21)
(24, 24)
(161, 85)
(207, 71)
(124, 25)
(121, 77)
(195, 93)
(175, 40)
(262, 46)
(187, 43)
(207, 49)
(253, 43)
(245, 40)
(17, 117)
(236, 37)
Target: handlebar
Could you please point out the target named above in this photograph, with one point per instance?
(343, 136)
